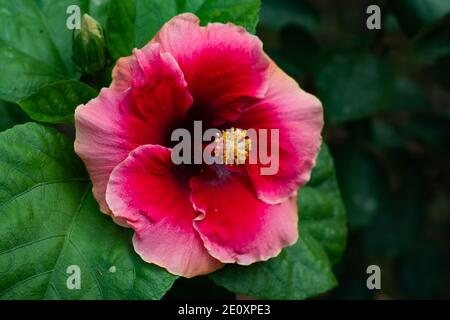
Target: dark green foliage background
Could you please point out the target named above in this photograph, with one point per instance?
(49, 220)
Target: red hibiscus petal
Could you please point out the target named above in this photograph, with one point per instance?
(152, 196)
(223, 65)
(299, 118)
(116, 122)
(235, 226)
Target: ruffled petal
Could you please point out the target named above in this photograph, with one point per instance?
(110, 126)
(235, 226)
(121, 74)
(298, 116)
(223, 65)
(151, 194)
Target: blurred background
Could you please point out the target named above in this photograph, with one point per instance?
(387, 106)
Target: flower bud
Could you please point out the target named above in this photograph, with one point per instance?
(89, 47)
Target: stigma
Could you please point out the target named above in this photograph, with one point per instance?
(233, 145)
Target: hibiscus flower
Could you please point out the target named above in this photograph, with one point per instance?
(193, 219)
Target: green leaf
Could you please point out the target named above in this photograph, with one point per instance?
(353, 86)
(98, 9)
(55, 15)
(56, 103)
(322, 212)
(36, 45)
(134, 23)
(120, 28)
(241, 12)
(414, 15)
(10, 115)
(150, 17)
(50, 221)
(304, 269)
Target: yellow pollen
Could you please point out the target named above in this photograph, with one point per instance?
(234, 145)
